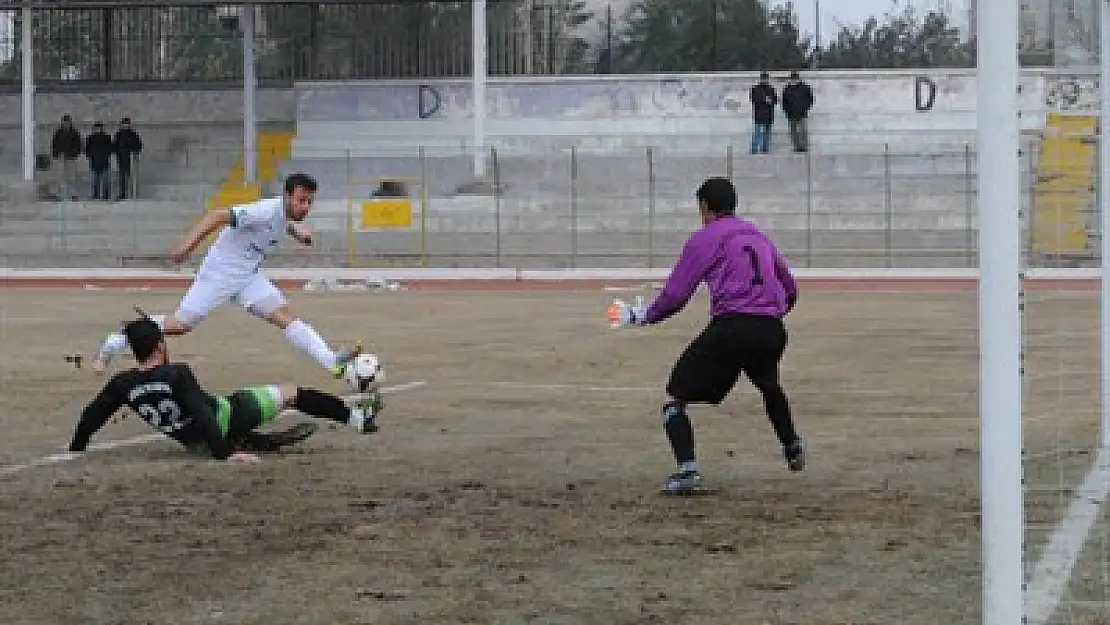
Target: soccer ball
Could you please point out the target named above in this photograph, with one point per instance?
(364, 373)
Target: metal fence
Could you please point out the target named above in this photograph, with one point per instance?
(572, 208)
(294, 41)
(395, 39)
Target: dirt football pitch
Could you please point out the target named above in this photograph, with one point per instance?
(515, 478)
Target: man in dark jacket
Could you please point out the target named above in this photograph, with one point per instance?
(66, 147)
(128, 145)
(99, 148)
(797, 100)
(764, 99)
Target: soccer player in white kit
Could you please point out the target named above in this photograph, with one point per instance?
(230, 271)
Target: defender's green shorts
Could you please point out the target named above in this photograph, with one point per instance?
(247, 409)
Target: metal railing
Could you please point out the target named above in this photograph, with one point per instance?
(397, 39)
(575, 208)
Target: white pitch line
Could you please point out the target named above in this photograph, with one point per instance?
(1049, 582)
(574, 387)
(66, 456)
(588, 388)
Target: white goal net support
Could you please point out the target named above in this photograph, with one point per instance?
(1044, 351)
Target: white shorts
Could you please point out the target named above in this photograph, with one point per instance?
(255, 293)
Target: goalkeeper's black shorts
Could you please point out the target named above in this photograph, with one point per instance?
(711, 364)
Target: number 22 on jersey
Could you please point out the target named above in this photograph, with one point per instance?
(165, 415)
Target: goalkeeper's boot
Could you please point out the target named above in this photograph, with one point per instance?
(369, 405)
(795, 454)
(683, 483)
(343, 359)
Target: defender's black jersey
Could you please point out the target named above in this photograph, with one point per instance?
(167, 397)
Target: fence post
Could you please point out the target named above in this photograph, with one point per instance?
(135, 229)
(651, 207)
(574, 206)
(63, 225)
(496, 167)
(423, 207)
(349, 185)
(133, 178)
(888, 201)
(809, 209)
(969, 207)
(1030, 257)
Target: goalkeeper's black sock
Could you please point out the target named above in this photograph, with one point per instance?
(680, 432)
(323, 405)
(778, 411)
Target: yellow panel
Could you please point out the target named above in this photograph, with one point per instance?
(386, 213)
(1060, 215)
(1063, 193)
(233, 195)
(1061, 241)
(272, 149)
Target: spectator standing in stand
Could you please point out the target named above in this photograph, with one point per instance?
(764, 99)
(99, 148)
(797, 100)
(128, 145)
(66, 147)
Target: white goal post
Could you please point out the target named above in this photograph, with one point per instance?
(1000, 294)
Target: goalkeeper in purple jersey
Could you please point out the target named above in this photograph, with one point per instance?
(751, 291)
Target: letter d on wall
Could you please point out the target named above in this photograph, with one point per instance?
(428, 101)
(924, 93)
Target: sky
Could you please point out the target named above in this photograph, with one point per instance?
(856, 11)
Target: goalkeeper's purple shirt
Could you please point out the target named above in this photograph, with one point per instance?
(743, 269)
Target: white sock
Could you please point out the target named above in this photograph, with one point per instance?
(111, 346)
(357, 418)
(305, 338)
(117, 342)
(689, 465)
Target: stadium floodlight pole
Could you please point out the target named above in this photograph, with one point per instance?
(479, 46)
(1103, 195)
(27, 52)
(1000, 379)
(250, 118)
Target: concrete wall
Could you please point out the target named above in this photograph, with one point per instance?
(908, 108)
(149, 107)
(191, 136)
(849, 210)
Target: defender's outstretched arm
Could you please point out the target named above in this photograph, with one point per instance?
(211, 222)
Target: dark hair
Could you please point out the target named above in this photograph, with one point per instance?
(300, 180)
(719, 196)
(144, 336)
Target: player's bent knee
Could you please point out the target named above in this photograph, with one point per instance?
(182, 322)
